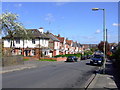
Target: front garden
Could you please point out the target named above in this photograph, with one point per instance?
(79, 55)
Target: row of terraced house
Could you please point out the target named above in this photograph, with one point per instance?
(43, 44)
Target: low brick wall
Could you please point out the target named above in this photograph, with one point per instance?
(12, 60)
(31, 58)
(57, 59)
(27, 57)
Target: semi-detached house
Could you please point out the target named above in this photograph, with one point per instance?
(69, 45)
(54, 44)
(37, 46)
(62, 49)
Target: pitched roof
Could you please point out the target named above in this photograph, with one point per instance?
(37, 33)
(51, 36)
(79, 45)
(61, 39)
(74, 44)
(69, 42)
(34, 33)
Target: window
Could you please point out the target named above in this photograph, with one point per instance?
(33, 41)
(8, 40)
(17, 41)
(33, 52)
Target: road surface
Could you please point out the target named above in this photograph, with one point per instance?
(62, 75)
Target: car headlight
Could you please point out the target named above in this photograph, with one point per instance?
(99, 61)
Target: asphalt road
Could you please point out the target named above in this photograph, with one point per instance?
(62, 75)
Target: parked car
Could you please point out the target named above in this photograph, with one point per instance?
(71, 59)
(89, 56)
(83, 57)
(97, 59)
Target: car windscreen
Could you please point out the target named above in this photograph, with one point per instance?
(97, 56)
(71, 56)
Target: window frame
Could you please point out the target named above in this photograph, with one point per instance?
(33, 41)
(17, 41)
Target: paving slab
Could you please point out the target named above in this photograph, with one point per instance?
(104, 81)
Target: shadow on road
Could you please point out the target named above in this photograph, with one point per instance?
(88, 64)
(92, 64)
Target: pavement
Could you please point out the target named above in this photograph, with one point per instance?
(27, 65)
(104, 81)
(16, 68)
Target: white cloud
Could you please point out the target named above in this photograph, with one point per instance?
(98, 31)
(49, 17)
(116, 24)
(18, 5)
(60, 3)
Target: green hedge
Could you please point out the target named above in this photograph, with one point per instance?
(77, 55)
(66, 55)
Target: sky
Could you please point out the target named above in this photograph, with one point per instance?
(73, 20)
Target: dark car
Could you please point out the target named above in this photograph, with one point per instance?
(89, 56)
(71, 59)
(97, 59)
(83, 57)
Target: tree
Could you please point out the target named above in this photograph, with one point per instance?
(11, 27)
(94, 49)
(101, 46)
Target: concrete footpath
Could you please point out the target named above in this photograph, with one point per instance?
(16, 68)
(104, 81)
(27, 65)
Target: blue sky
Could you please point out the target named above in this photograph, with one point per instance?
(73, 20)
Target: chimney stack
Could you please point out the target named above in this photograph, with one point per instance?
(47, 32)
(41, 29)
(58, 35)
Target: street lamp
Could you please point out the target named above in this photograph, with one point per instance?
(104, 35)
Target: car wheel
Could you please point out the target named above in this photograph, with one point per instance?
(91, 63)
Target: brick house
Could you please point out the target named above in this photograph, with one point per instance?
(75, 47)
(70, 48)
(54, 44)
(86, 46)
(37, 46)
(62, 44)
(80, 48)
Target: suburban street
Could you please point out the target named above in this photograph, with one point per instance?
(59, 75)
(60, 44)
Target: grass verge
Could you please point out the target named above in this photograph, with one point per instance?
(46, 60)
(25, 59)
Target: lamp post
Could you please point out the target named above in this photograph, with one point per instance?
(104, 35)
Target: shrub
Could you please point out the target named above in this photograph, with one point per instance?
(66, 55)
(116, 56)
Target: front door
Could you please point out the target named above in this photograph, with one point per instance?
(27, 52)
